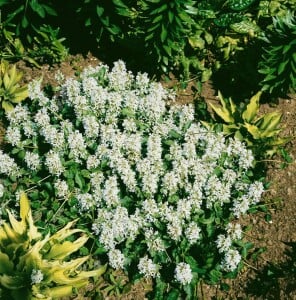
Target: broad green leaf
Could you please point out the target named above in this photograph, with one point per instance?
(6, 265)
(12, 282)
(239, 5)
(252, 108)
(196, 42)
(245, 27)
(206, 75)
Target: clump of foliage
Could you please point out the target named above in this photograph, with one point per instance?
(278, 63)
(34, 41)
(162, 194)
(36, 267)
(260, 133)
(10, 90)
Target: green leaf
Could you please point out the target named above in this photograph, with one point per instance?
(196, 42)
(245, 27)
(6, 265)
(173, 294)
(25, 22)
(163, 33)
(171, 16)
(282, 67)
(100, 10)
(37, 8)
(50, 10)
(79, 180)
(239, 5)
(215, 276)
(206, 75)
(159, 9)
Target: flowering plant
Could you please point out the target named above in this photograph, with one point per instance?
(161, 194)
(33, 267)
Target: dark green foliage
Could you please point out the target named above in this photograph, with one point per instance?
(278, 63)
(22, 16)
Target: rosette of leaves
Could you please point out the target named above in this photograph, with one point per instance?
(278, 63)
(10, 90)
(36, 267)
(259, 132)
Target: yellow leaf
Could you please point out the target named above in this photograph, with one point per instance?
(20, 95)
(270, 121)
(17, 226)
(7, 106)
(252, 108)
(60, 251)
(93, 273)
(26, 217)
(253, 130)
(59, 291)
(222, 113)
(24, 206)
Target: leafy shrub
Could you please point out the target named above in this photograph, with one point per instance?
(33, 267)
(259, 133)
(161, 194)
(32, 41)
(278, 63)
(24, 17)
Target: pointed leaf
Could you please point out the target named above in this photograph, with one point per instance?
(253, 130)
(252, 108)
(6, 265)
(61, 251)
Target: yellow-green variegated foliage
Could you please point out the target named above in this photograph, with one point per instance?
(259, 133)
(36, 267)
(10, 90)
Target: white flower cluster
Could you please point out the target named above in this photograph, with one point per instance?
(153, 171)
(183, 273)
(36, 276)
(225, 246)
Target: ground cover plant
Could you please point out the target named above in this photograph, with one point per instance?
(160, 194)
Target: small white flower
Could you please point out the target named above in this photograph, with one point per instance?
(183, 273)
(234, 230)
(116, 259)
(231, 260)
(32, 160)
(223, 243)
(192, 233)
(36, 276)
(1, 190)
(148, 268)
(13, 135)
(62, 188)
(54, 164)
(86, 202)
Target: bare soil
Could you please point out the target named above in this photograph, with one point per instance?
(272, 274)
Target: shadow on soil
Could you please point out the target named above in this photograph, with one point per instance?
(275, 280)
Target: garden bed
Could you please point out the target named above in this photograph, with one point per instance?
(271, 274)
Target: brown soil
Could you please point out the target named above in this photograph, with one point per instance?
(272, 274)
